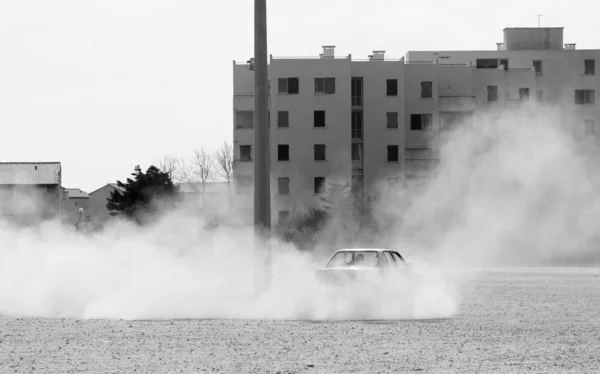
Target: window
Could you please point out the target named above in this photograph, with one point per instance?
(288, 85)
(392, 153)
(492, 93)
(283, 152)
(283, 119)
(487, 63)
(357, 124)
(320, 152)
(357, 91)
(319, 185)
(590, 67)
(584, 97)
(283, 185)
(539, 96)
(399, 259)
(325, 85)
(388, 258)
(426, 89)
(523, 94)
(589, 127)
(244, 119)
(319, 118)
(392, 87)
(537, 66)
(492, 63)
(245, 153)
(420, 122)
(392, 120)
(283, 216)
(357, 151)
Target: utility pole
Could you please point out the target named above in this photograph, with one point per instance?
(262, 183)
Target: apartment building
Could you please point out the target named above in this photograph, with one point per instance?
(374, 124)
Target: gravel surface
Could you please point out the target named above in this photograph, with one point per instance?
(511, 320)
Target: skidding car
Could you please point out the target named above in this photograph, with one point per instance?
(361, 264)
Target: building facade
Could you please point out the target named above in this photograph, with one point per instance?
(98, 212)
(30, 192)
(75, 205)
(376, 124)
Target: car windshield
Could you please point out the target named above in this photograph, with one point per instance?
(344, 259)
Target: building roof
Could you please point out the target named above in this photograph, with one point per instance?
(76, 193)
(112, 185)
(30, 173)
(116, 186)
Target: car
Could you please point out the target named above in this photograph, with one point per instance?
(362, 264)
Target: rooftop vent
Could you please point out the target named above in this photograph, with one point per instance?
(501, 46)
(570, 46)
(377, 55)
(328, 51)
(250, 64)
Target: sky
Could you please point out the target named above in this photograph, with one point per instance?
(103, 86)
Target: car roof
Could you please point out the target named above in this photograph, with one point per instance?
(365, 250)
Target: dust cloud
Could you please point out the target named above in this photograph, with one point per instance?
(177, 269)
(511, 191)
(514, 189)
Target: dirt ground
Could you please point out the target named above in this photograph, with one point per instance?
(511, 320)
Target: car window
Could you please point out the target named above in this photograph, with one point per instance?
(399, 259)
(390, 259)
(354, 258)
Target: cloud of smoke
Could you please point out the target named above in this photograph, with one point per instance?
(518, 190)
(513, 191)
(177, 268)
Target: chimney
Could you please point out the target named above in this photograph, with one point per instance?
(570, 46)
(500, 46)
(328, 51)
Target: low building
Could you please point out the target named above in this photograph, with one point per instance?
(98, 212)
(75, 205)
(30, 192)
(213, 200)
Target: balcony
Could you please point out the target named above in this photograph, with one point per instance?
(420, 166)
(358, 168)
(456, 103)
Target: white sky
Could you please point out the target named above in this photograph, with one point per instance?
(102, 86)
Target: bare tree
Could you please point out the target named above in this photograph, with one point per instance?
(224, 160)
(169, 165)
(202, 168)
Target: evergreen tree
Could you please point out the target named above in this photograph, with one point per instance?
(143, 195)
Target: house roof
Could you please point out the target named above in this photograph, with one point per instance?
(112, 185)
(116, 186)
(30, 173)
(76, 193)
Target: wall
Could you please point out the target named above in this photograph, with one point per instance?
(29, 204)
(376, 134)
(533, 38)
(301, 135)
(70, 209)
(97, 204)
